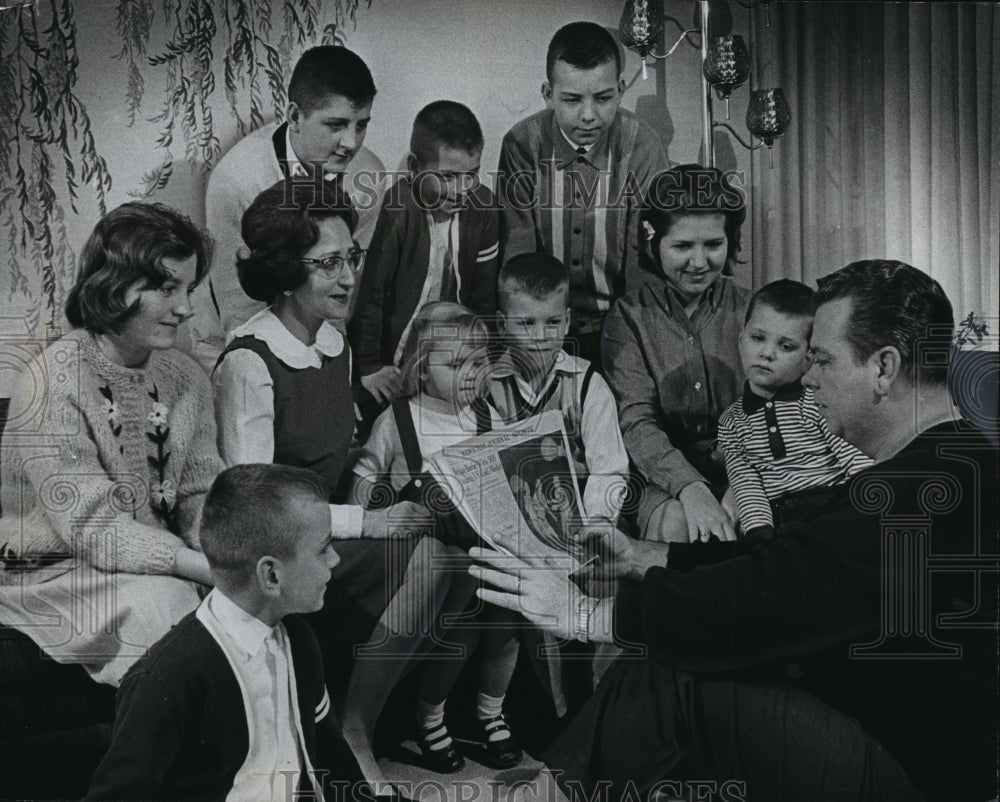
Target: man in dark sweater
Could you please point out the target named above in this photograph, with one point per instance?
(853, 656)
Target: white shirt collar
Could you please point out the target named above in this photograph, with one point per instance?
(244, 630)
(572, 144)
(295, 167)
(266, 327)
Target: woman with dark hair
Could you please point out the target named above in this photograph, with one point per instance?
(283, 394)
(672, 351)
(283, 383)
(109, 452)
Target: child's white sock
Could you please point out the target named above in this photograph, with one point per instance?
(430, 719)
(488, 707)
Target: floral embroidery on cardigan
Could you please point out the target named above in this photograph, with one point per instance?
(162, 493)
(114, 414)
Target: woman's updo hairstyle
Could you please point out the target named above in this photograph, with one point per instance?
(690, 189)
(280, 226)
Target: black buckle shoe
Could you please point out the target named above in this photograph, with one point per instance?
(503, 752)
(443, 759)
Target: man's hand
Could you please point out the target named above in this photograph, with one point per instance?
(599, 537)
(539, 589)
(403, 518)
(383, 384)
(704, 515)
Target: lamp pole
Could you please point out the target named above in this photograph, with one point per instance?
(707, 122)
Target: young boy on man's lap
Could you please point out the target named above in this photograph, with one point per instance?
(781, 457)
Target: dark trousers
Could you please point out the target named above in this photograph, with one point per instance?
(652, 728)
(804, 505)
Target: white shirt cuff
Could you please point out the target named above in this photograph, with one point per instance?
(345, 520)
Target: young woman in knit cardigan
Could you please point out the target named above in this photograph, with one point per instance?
(108, 453)
(283, 394)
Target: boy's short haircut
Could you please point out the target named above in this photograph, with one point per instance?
(330, 70)
(784, 296)
(537, 275)
(244, 516)
(444, 123)
(583, 45)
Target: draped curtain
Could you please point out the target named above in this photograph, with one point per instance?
(894, 145)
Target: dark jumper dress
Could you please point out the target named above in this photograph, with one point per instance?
(313, 428)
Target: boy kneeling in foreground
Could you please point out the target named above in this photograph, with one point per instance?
(231, 703)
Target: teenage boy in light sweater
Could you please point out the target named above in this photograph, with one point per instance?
(330, 98)
(573, 177)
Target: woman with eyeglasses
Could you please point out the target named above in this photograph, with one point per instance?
(283, 394)
(283, 383)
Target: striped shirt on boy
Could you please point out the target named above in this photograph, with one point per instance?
(780, 445)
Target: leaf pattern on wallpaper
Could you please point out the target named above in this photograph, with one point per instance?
(49, 159)
(255, 65)
(134, 20)
(46, 142)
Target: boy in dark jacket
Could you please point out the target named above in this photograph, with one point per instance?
(436, 240)
(231, 703)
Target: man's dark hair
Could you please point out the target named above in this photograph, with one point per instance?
(784, 296)
(245, 513)
(444, 123)
(535, 274)
(583, 45)
(894, 304)
(330, 70)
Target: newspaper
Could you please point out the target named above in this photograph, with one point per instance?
(517, 487)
